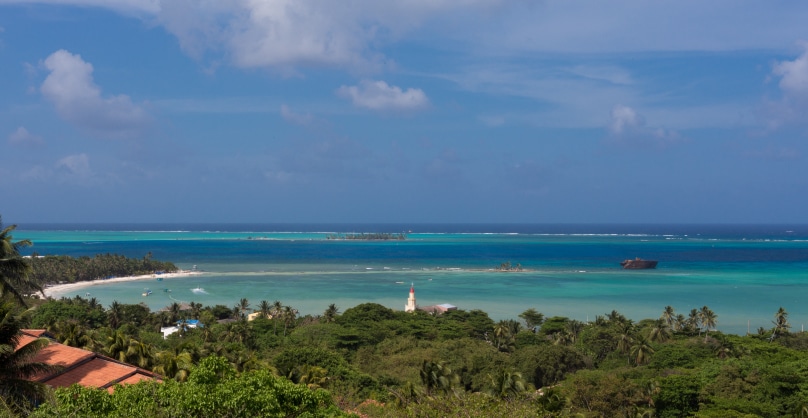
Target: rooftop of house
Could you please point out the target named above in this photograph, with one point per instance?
(81, 366)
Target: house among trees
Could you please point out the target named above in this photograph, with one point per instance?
(81, 366)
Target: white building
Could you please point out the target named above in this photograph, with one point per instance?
(410, 306)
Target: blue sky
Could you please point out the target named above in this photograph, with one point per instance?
(403, 111)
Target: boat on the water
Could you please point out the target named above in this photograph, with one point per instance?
(638, 263)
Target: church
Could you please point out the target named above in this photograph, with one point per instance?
(411, 306)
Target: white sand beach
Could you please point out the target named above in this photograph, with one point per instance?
(61, 289)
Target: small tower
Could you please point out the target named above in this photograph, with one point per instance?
(410, 307)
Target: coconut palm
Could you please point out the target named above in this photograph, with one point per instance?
(625, 337)
(72, 333)
(708, 320)
(15, 271)
(314, 377)
(507, 384)
(16, 367)
(265, 308)
(680, 323)
(117, 346)
(243, 305)
(693, 321)
(780, 322)
(277, 311)
(437, 377)
(641, 351)
(504, 339)
(330, 314)
(660, 331)
(140, 354)
(289, 316)
(115, 314)
(669, 316)
(174, 365)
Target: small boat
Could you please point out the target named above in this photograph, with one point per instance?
(147, 292)
(639, 264)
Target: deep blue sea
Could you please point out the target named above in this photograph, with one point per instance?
(742, 272)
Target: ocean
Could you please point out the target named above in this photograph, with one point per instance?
(742, 272)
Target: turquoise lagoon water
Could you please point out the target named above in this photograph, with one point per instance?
(743, 273)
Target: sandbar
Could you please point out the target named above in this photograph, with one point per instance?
(61, 289)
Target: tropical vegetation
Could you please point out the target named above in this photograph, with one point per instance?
(369, 360)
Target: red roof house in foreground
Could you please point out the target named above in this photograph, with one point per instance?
(82, 366)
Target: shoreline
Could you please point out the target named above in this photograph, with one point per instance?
(61, 289)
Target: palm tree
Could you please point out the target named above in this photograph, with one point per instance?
(72, 333)
(277, 310)
(16, 367)
(243, 305)
(289, 316)
(15, 271)
(437, 376)
(314, 377)
(330, 314)
(115, 314)
(660, 332)
(669, 316)
(708, 320)
(140, 354)
(780, 323)
(694, 320)
(507, 384)
(504, 339)
(117, 346)
(174, 365)
(641, 351)
(265, 308)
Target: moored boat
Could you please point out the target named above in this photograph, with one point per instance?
(638, 263)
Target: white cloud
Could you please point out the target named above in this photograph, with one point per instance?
(378, 95)
(286, 34)
(70, 87)
(77, 165)
(129, 7)
(296, 118)
(628, 126)
(352, 34)
(792, 106)
(794, 75)
(21, 137)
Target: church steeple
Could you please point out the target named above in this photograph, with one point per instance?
(410, 307)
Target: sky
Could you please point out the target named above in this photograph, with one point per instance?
(422, 111)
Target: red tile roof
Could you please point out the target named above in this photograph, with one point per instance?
(82, 366)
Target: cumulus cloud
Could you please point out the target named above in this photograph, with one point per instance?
(628, 126)
(378, 95)
(794, 75)
(77, 165)
(792, 105)
(287, 34)
(22, 138)
(294, 117)
(78, 100)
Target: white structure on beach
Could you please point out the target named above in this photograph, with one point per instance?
(410, 307)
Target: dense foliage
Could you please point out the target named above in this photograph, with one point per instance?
(213, 390)
(51, 269)
(377, 362)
